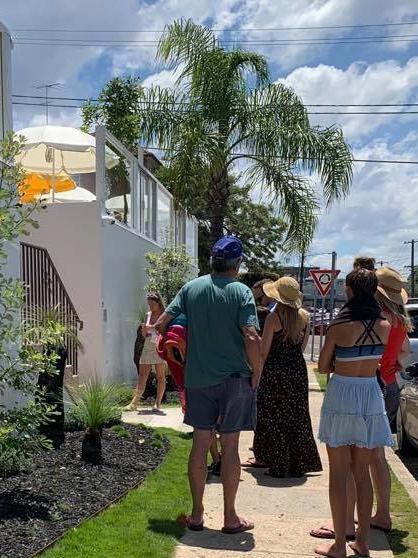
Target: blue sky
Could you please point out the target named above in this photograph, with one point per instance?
(382, 210)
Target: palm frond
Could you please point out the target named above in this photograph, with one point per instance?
(183, 43)
(295, 198)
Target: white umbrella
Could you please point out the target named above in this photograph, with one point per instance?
(118, 203)
(76, 195)
(54, 149)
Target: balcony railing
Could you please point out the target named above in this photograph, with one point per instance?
(45, 291)
(131, 195)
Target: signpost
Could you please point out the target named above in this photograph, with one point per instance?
(324, 282)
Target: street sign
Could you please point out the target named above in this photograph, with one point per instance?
(323, 279)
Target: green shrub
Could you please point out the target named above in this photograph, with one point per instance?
(121, 431)
(12, 462)
(123, 395)
(95, 405)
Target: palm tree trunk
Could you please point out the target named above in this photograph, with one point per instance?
(219, 192)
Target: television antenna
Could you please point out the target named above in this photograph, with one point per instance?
(47, 87)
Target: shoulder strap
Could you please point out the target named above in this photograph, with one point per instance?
(369, 334)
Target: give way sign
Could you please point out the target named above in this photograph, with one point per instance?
(323, 279)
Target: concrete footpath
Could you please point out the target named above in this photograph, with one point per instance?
(283, 510)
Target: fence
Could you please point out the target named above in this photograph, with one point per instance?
(45, 291)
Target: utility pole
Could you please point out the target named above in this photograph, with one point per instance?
(412, 243)
(332, 292)
(382, 263)
(302, 271)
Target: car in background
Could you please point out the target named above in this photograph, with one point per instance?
(407, 418)
(413, 336)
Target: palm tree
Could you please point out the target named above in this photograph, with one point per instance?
(225, 110)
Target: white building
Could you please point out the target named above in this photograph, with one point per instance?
(98, 251)
(89, 256)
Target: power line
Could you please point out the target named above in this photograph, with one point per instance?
(227, 30)
(229, 41)
(322, 113)
(385, 161)
(66, 43)
(84, 99)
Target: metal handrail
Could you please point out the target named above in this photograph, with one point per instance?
(45, 290)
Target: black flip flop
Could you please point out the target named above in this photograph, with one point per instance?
(241, 528)
(329, 534)
(194, 526)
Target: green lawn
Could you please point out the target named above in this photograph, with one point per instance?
(145, 523)
(322, 379)
(404, 537)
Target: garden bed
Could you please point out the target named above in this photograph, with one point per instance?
(60, 490)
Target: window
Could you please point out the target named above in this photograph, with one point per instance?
(164, 224)
(191, 237)
(147, 206)
(118, 194)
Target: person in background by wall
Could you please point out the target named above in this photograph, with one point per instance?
(149, 356)
(223, 370)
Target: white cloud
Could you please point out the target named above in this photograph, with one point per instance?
(381, 211)
(379, 83)
(165, 78)
(306, 13)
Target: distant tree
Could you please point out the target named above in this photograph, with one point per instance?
(260, 230)
(117, 108)
(409, 284)
(168, 271)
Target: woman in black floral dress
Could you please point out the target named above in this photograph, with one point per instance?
(284, 441)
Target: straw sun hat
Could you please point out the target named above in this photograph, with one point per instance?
(284, 290)
(391, 285)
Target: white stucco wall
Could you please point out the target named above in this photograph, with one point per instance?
(71, 232)
(103, 268)
(124, 283)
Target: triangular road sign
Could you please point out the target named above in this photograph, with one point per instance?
(323, 279)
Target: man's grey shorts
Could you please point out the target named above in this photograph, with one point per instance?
(227, 407)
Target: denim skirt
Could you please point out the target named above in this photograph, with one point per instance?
(353, 414)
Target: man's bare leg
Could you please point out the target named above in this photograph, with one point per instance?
(198, 471)
(382, 486)
(230, 476)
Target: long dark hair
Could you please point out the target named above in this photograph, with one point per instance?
(362, 306)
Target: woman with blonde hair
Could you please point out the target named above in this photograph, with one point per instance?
(284, 439)
(392, 298)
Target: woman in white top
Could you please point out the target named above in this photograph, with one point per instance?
(149, 357)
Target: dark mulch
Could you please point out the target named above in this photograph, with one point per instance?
(60, 490)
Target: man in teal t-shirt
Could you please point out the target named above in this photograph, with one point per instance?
(223, 368)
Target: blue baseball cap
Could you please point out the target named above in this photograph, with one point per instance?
(227, 248)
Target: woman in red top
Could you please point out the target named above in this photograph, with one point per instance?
(392, 298)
